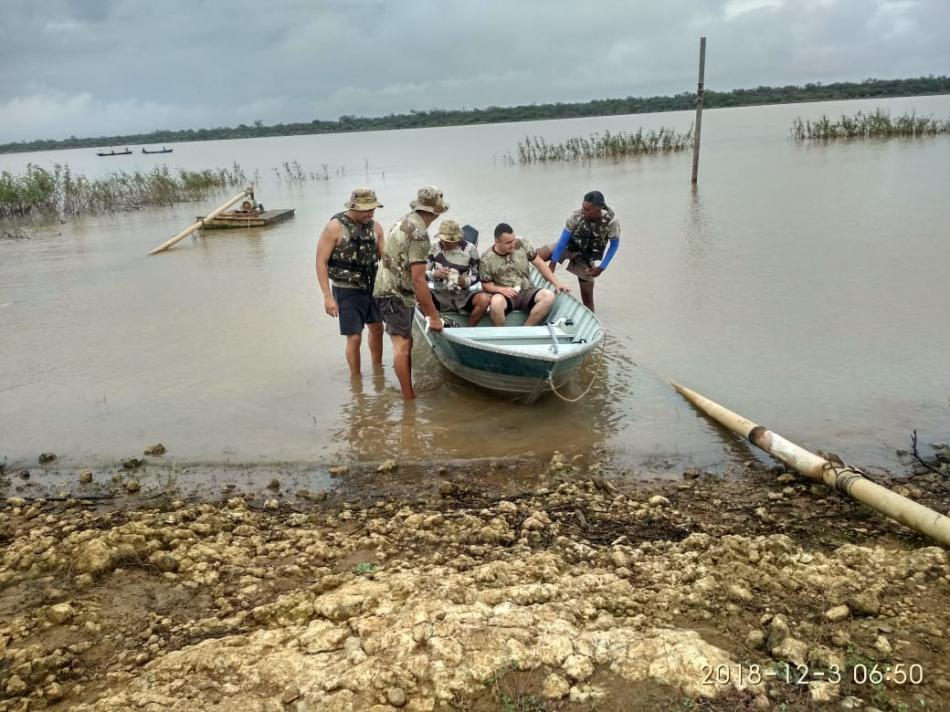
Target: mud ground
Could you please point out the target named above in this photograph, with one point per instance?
(485, 585)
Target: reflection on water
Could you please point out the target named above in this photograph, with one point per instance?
(802, 285)
(695, 229)
(452, 418)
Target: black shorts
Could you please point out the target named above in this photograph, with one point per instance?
(461, 303)
(524, 301)
(396, 316)
(357, 309)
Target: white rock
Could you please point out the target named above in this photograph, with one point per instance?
(740, 593)
(555, 687)
(795, 651)
(578, 667)
(60, 613)
(838, 613)
(823, 691)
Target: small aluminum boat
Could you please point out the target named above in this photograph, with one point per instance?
(516, 360)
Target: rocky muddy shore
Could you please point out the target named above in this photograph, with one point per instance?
(563, 588)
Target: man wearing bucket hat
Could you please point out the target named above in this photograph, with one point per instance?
(402, 280)
(453, 269)
(348, 253)
(588, 242)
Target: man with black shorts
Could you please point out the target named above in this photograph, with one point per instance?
(506, 275)
(348, 253)
(402, 280)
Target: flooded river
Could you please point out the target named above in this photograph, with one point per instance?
(804, 286)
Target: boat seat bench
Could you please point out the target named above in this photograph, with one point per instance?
(513, 333)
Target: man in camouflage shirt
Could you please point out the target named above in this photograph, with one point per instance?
(401, 282)
(347, 253)
(506, 275)
(589, 241)
(453, 269)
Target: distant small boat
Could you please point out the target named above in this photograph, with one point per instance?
(110, 152)
(163, 150)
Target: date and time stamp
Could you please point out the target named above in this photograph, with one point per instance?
(860, 674)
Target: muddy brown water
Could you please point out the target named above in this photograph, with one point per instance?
(804, 286)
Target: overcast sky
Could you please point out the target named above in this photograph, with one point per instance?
(104, 67)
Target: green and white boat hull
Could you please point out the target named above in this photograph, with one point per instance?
(523, 362)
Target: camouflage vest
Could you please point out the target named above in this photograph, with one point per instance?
(589, 239)
(354, 261)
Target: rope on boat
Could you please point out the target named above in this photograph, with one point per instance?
(600, 361)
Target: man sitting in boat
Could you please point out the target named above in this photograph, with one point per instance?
(453, 269)
(506, 275)
(588, 242)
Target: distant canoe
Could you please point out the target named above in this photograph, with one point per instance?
(126, 152)
(246, 218)
(162, 150)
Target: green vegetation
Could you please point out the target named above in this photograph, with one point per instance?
(869, 88)
(58, 193)
(364, 568)
(607, 145)
(861, 125)
(293, 172)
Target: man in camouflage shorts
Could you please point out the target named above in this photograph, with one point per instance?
(589, 241)
(402, 280)
(506, 275)
(347, 253)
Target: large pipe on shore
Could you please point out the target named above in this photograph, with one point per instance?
(844, 479)
(249, 191)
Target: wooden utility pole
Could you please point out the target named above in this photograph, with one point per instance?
(699, 107)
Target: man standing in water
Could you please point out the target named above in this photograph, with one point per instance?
(584, 243)
(402, 280)
(348, 252)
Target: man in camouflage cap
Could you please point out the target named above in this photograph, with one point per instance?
(402, 280)
(506, 276)
(453, 269)
(348, 252)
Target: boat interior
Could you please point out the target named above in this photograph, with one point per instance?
(569, 327)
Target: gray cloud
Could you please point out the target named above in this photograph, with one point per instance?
(95, 67)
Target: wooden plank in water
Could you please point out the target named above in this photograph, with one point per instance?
(240, 219)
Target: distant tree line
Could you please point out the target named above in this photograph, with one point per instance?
(869, 88)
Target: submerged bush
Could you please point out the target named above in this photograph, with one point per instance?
(59, 193)
(607, 145)
(876, 124)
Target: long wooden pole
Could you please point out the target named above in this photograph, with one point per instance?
(699, 107)
(844, 479)
(213, 214)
